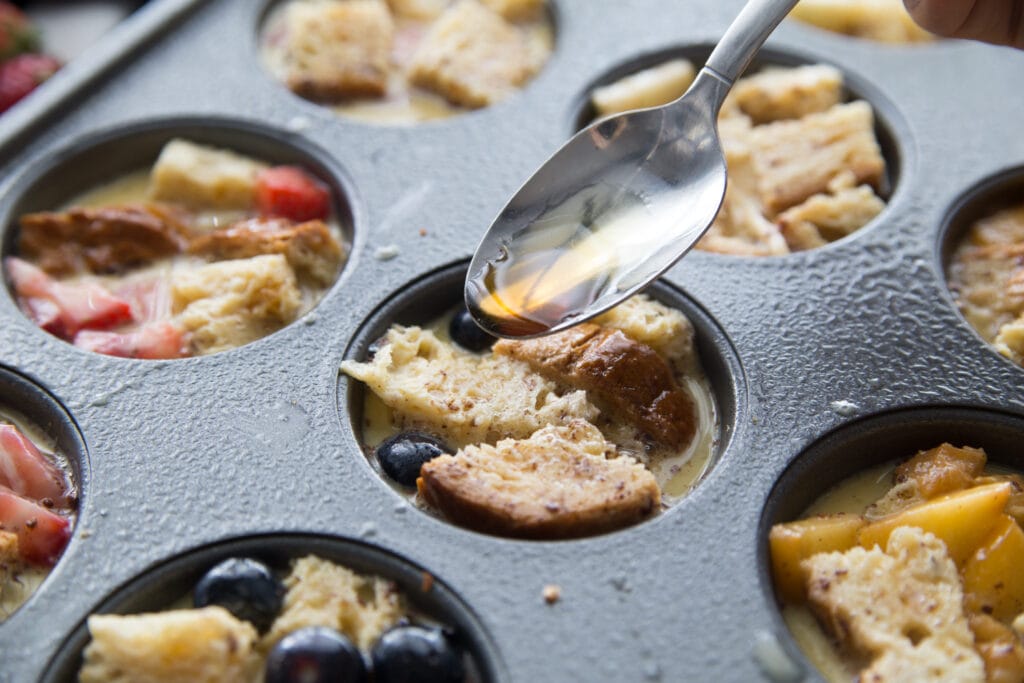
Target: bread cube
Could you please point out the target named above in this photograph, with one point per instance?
(473, 57)
(776, 94)
(824, 218)
(559, 483)
(321, 593)
(205, 645)
(338, 49)
(901, 607)
(800, 158)
(516, 10)
(1010, 340)
(230, 303)
(646, 88)
(204, 177)
(460, 396)
(883, 20)
(664, 329)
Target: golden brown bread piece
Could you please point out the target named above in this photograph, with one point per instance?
(310, 247)
(102, 240)
(620, 375)
(559, 483)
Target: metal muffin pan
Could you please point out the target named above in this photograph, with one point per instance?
(188, 453)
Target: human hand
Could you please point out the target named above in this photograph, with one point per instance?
(994, 21)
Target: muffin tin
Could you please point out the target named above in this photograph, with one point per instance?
(815, 351)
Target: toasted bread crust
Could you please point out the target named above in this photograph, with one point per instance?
(310, 247)
(627, 378)
(101, 240)
(559, 483)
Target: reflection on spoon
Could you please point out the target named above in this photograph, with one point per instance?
(616, 206)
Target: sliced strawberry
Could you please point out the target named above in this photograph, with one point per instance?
(29, 473)
(21, 74)
(42, 534)
(150, 297)
(17, 34)
(290, 192)
(82, 305)
(153, 341)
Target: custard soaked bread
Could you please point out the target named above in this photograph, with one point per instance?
(624, 377)
(804, 164)
(553, 438)
(561, 482)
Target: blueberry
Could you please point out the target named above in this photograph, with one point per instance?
(244, 587)
(414, 654)
(402, 455)
(467, 334)
(315, 654)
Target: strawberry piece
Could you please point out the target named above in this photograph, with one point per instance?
(17, 34)
(150, 298)
(21, 75)
(153, 341)
(29, 473)
(290, 192)
(82, 305)
(42, 535)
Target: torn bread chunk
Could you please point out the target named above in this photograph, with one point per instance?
(336, 49)
(231, 303)
(321, 593)
(204, 177)
(902, 608)
(472, 57)
(205, 645)
(1010, 340)
(664, 329)
(776, 94)
(886, 21)
(650, 87)
(311, 248)
(562, 482)
(824, 218)
(800, 158)
(102, 240)
(465, 398)
(621, 375)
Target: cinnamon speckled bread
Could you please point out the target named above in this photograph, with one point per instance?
(463, 397)
(559, 483)
(621, 375)
(798, 158)
(901, 608)
(321, 593)
(473, 57)
(230, 303)
(182, 646)
(335, 49)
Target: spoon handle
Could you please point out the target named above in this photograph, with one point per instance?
(744, 37)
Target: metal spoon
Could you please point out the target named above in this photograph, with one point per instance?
(617, 205)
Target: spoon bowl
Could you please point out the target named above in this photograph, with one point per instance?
(616, 206)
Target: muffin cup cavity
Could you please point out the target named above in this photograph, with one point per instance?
(996, 193)
(817, 216)
(873, 441)
(438, 293)
(399, 71)
(165, 585)
(91, 161)
(33, 410)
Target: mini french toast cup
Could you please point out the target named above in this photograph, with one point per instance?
(265, 441)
